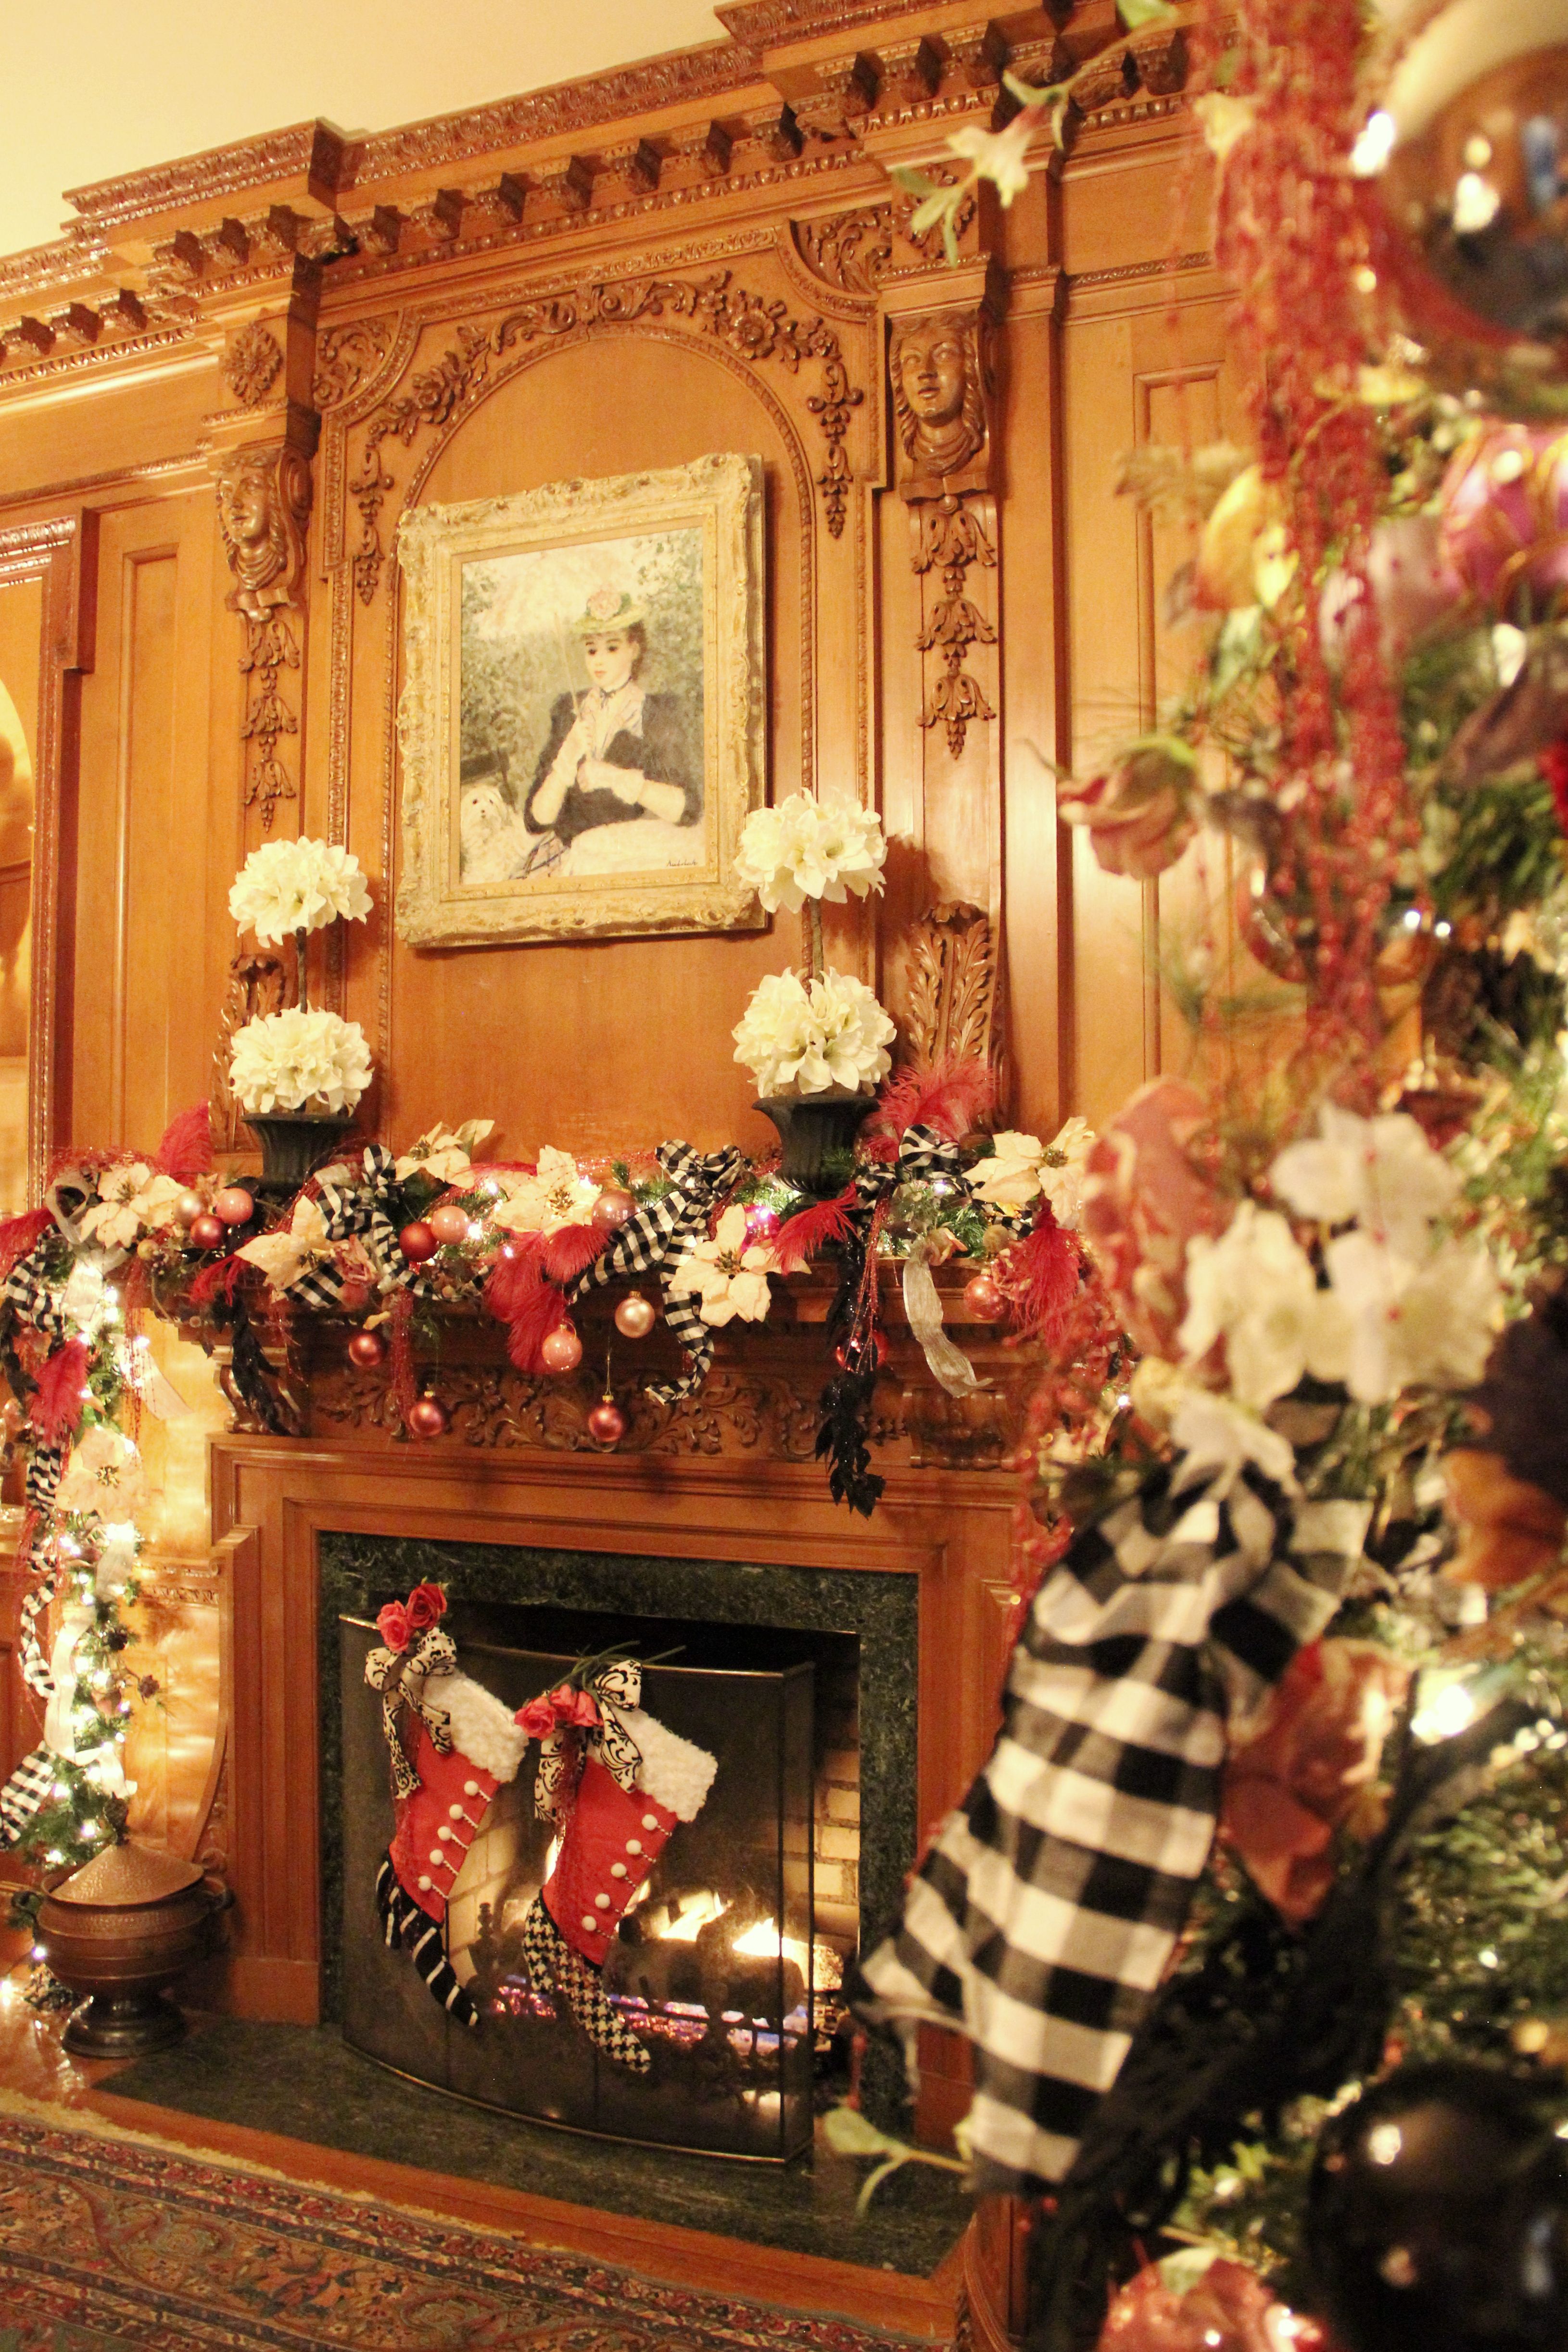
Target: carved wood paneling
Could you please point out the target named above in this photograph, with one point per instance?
(264, 505)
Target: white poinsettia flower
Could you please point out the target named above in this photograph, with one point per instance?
(284, 1257)
(728, 1276)
(1254, 1289)
(1428, 1321)
(999, 156)
(558, 1193)
(284, 1061)
(1011, 1176)
(1063, 1171)
(803, 1038)
(131, 1198)
(445, 1153)
(1380, 1172)
(805, 848)
(297, 886)
(105, 1475)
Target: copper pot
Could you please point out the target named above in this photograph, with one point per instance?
(121, 1929)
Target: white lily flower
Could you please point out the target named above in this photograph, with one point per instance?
(1254, 1287)
(1382, 1172)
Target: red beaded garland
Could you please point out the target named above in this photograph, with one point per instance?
(367, 1349)
(234, 1204)
(635, 1316)
(207, 1231)
(418, 1242)
(448, 1223)
(607, 1423)
(428, 1417)
(562, 1349)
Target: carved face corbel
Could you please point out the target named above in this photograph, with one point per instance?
(263, 505)
(940, 370)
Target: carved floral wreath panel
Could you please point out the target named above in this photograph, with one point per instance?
(546, 794)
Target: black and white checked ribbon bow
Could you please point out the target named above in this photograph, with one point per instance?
(27, 1290)
(924, 1158)
(359, 1212)
(656, 1238)
(400, 1675)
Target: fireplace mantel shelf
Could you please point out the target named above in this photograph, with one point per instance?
(760, 1400)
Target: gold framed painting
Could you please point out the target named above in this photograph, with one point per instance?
(583, 708)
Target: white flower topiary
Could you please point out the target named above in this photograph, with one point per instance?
(288, 1061)
(297, 886)
(800, 1037)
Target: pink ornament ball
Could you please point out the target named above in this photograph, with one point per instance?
(367, 1349)
(189, 1207)
(418, 1242)
(448, 1223)
(207, 1231)
(982, 1298)
(427, 1416)
(234, 1204)
(607, 1423)
(1504, 506)
(561, 1350)
(635, 1316)
(762, 1222)
(613, 1208)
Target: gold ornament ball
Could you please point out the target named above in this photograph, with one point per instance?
(448, 1223)
(635, 1316)
(189, 1207)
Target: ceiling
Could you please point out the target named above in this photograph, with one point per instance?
(98, 87)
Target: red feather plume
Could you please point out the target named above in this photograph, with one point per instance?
(949, 1096)
(801, 1236)
(519, 1294)
(55, 1411)
(19, 1234)
(1040, 1276)
(218, 1281)
(570, 1252)
(186, 1150)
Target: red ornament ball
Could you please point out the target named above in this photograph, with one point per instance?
(207, 1231)
(418, 1242)
(607, 1423)
(367, 1349)
(189, 1207)
(635, 1316)
(427, 1416)
(561, 1350)
(234, 1204)
(613, 1207)
(860, 1355)
(982, 1298)
(353, 1296)
(448, 1223)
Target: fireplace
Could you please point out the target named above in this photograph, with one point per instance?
(774, 1678)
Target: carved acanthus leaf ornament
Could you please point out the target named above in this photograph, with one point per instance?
(754, 326)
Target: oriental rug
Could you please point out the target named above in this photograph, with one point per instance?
(108, 2242)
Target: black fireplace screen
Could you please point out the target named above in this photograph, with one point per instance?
(710, 1969)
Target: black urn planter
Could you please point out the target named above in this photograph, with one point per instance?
(294, 1144)
(813, 1131)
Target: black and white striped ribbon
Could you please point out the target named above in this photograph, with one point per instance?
(656, 1239)
(403, 1922)
(27, 1792)
(45, 1467)
(29, 1649)
(359, 1212)
(27, 1290)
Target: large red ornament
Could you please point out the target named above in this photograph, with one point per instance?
(982, 1298)
(367, 1349)
(427, 1416)
(234, 1204)
(562, 1349)
(418, 1242)
(448, 1223)
(207, 1231)
(635, 1316)
(613, 1207)
(607, 1423)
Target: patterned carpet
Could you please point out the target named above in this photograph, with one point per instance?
(106, 2242)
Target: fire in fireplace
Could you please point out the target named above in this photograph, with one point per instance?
(720, 1966)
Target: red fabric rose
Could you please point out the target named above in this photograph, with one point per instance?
(1228, 2310)
(574, 1708)
(392, 1624)
(1139, 818)
(426, 1605)
(537, 1718)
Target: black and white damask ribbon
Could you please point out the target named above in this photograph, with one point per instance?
(359, 1212)
(613, 1687)
(400, 1675)
(656, 1238)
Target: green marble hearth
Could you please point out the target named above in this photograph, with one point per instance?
(879, 1610)
(304, 2082)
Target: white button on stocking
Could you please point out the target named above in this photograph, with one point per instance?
(442, 1832)
(601, 1902)
(470, 1788)
(425, 1883)
(437, 1854)
(617, 1870)
(589, 1920)
(650, 1821)
(456, 1812)
(634, 1845)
